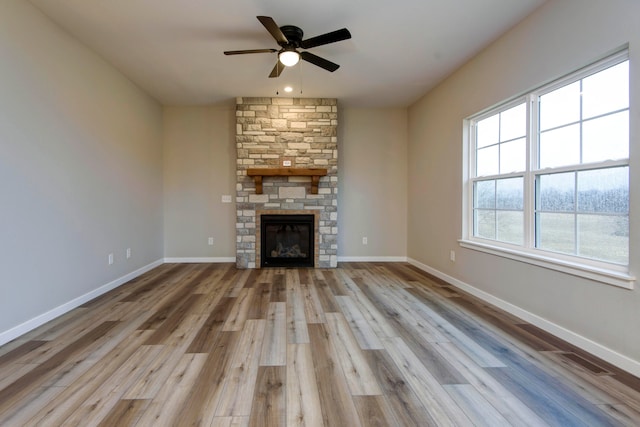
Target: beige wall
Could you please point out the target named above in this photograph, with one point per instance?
(80, 171)
(372, 183)
(199, 167)
(559, 38)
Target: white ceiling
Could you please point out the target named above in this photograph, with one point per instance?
(399, 50)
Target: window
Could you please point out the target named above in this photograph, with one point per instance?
(548, 174)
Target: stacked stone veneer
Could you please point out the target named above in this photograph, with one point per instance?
(268, 132)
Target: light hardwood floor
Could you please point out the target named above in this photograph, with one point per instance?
(367, 344)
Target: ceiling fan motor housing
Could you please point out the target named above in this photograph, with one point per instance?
(293, 34)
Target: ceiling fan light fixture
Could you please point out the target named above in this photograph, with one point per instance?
(289, 58)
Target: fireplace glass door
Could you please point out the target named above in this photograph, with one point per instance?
(287, 240)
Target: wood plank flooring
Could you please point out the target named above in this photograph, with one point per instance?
(366, 344)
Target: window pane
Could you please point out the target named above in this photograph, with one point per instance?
(485, 224)
(485, 194)
(577, 161)
(513, 123)
(556, 232)
(606, 91)
(487, 161)
(488, 131)
(513, 156)
(560, 147)
(560, 107)
(604, 237)
(606, 138)
(556, 192)
(510, 227)
(510, 194)
(604, 190)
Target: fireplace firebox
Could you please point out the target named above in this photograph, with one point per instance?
(287, 240)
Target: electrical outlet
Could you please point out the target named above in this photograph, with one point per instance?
(226, 198)
(365, 241)
(110, 259)
(128, 253)
(452, 256)
(210, 241)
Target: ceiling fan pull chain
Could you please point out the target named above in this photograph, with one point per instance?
(300, 67)
(277, 73)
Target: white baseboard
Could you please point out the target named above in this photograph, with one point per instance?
(623, 362)
(186, 260)
(372, 259)
(31, 324)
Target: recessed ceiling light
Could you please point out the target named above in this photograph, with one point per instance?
(288, 89)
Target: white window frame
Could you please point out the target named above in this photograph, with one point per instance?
(605, 272)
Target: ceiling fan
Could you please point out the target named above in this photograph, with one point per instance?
(289, 37)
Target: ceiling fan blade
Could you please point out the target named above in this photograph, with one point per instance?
(273, 29)
(320, 62)
(277, 70)
(332, 37)
(242, 52)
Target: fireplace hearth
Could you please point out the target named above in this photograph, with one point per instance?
(287, 240)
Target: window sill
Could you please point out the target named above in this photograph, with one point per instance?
(609, 277)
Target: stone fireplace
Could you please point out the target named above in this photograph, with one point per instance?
(297, 137)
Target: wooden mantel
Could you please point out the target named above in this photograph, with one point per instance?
(259, 173)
